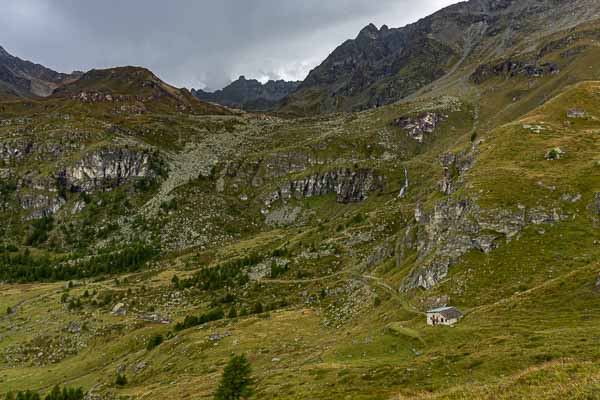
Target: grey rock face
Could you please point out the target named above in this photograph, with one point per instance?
(418, 126)
(41, 205)
(385, 65)
(453, 228)
(349, 186)
(454, 166)
(15, 149)
(284, 216)
(27, 79)
(106, 168)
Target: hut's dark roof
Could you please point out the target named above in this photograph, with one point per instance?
(447, 312)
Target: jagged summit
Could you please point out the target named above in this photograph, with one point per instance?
(249, 94)
(370, 31)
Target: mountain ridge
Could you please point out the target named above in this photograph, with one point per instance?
(382, 66)
(26, 79)
(249, 94)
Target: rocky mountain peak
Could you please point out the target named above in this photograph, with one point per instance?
(370, 31)
(249, 94)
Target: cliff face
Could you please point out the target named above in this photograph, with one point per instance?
(249, 94)
(349, 186)
(442, 236)
(43, 191)
(106, 168)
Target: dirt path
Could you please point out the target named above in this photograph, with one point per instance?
(395, 293)
(287, 281)
(17, 307)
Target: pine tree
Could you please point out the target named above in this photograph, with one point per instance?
(236, 382)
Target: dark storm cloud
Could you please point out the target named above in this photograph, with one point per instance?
(195, 42)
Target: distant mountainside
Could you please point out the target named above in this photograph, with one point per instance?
(22, 78)
(384, 65)
(249, 94)
(135, 89)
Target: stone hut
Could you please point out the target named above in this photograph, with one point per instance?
(443, 316)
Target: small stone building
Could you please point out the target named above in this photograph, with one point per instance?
(443, 316)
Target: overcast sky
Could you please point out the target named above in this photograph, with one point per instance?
(195, 43)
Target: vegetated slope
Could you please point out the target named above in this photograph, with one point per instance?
(136, 87)
(320, 240)
(249, 94)
(26, 79)
(385, 65)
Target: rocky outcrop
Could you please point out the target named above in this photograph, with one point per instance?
(15, 149)
(454, 166)
(417, 127)
(22, 148)
(512, 68)
(41, 205)
(348, 185)
(105, 169)
(453, 228)
(377, 68)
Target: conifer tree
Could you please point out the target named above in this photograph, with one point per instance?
(236, 382)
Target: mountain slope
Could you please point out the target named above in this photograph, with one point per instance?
(250, 95)
(386, 65)
(312, 245)
(26, 79)
(133, 88)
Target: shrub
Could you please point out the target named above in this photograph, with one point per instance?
(191, 320)
(155, 341)
(170, 205)
(121, 380)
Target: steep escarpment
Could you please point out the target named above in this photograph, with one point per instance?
(106, 168)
